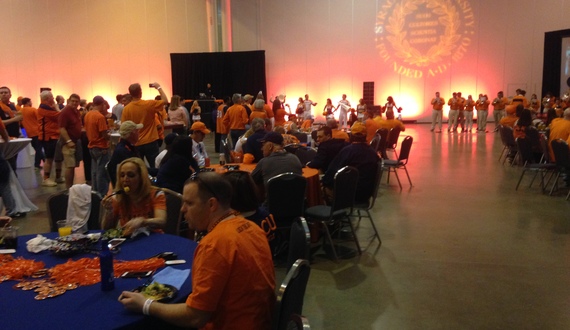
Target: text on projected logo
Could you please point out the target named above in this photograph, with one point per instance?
(423, 37)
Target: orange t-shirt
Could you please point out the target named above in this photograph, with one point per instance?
(155, 200)
(220, 127)
(338, 134)
(30, 121)
(280, 117)
(233, 276)
(236, 117)
(48, 123)
(257, 114)
(143, 112)
(95, 123)
(269, 111)
(371, 127)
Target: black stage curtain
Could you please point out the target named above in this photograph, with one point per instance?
(551, 65)
(228, 72)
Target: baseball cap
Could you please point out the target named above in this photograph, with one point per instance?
(200, 126)
(358, 128)
(127, 127)
(272, 137)
(98, 100)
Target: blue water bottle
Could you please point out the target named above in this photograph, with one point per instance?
(106, 262)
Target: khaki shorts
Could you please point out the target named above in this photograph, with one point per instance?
(71, 156)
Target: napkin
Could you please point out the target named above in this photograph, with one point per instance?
(172, 276)
(140, 231)
(38, 244)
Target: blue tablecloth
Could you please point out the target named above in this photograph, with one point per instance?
(88, 307)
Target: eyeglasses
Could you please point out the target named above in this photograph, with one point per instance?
(196, 178)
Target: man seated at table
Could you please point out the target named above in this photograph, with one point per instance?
(125, 149)
(198, 133)
(327, 150)
(229, 289)
(337, 133)
(276, 160)
(359, 155)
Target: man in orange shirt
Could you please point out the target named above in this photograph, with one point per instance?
(48, 114)
(437, 113)
(482, 106)
(30, 123)
(337, 133)
(236, 118)
(499, 104)
(229, 289)
(70, 137)
(371, 127)
(221, 130)
(98, 135)
(559, 129)
(144, 112)
(11, 119)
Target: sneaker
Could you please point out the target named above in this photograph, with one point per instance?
(60, 180)
(48, 183)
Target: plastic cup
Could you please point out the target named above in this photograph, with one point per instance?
(63, 228)
(9, 236)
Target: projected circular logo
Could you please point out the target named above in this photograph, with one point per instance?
(420, 38)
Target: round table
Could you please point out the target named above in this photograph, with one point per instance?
(313, 192)
(87, 307)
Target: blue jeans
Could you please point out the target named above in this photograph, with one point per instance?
(99, 178)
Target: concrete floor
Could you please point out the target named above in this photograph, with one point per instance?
(461, 249)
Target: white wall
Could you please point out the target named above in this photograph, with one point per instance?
(95, 47)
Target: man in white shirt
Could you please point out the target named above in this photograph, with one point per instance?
(199, 131)
(308, 104)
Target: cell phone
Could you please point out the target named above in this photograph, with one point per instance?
(151, 85)
(116, 242)
(136, 274)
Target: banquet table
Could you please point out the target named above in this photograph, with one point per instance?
(23, 203)
(87, 307)
(313, 192)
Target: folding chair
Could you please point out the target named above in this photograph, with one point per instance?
(392, 140)
(367, 207)
(525, 151)
(174, 221)
(344, 191)
(401, 162)
(299, 242)
(291, 294)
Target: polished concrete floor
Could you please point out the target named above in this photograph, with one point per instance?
(460, 250)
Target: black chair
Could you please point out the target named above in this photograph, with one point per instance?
(174, 222)
(286, 197)
(344, 191)
(533, 136)
(305, 154)
(367, 207)
(562, 161)
(314, 137)
(392, 140)
(298, 322)
(509, 144)
(375, 142)
(226, 149)
(299, 242)
(401, 162)
(291, 294)
(381, 148)
(57, 209)
(527, 156)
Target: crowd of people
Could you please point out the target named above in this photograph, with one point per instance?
(461, 110)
